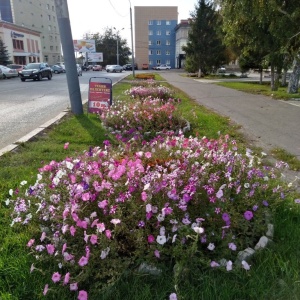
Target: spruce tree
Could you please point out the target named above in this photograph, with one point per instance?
(4, 56)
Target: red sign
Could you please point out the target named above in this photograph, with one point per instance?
(99, 96)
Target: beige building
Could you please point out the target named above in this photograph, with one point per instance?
(37, 15)
(155, 34)
(22, 44)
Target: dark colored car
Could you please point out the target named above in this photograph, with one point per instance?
(36, 71)
(57, 69)
(128, 67)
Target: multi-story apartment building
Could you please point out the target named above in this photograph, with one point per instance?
(155, 35)
(182, 34)
(37, 15)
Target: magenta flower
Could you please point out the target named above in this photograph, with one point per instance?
(151, 238)
(248, 215)
(66, 278)
(56, 277)
(30, 243)
(86, 196)
(144, 196)
(108, 233)
(82, 295)
(66, 145)
(72, 230)
(93, 239)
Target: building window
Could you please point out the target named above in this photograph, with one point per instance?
(168, 32)
(158, 42)
(168, 62)
(150, 22)
(158, 52)
(50, 37)
(150, 52)
(158, 22)
(168, 43)
(168, 22)
(168, 52)
(18, 45)
(150, 32)
(158, 32)
(46, 58)
(49, 28)
(150, 43)
(158, 61)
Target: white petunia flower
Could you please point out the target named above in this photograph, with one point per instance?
(198, 230)
(161, 239)
(211, 246)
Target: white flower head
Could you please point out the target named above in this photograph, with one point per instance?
(229, 265)
(211, 246)
(198, 230)
(161, 239)
(245, 265)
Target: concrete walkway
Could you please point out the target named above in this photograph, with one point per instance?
(267, 122)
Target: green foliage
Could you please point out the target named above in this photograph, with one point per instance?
(204, 48)
(4, 55)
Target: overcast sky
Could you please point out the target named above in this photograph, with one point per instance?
(92, 16)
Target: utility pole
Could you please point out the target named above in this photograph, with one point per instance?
(118, 44)
(62, 14)
(131, 29)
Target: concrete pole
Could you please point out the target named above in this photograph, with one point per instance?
(62, 14)
(131, 28)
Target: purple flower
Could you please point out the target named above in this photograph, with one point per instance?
(255, 207)
(248, 215)
(265, 203)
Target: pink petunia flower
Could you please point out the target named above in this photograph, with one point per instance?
(66, 145)
(94, 239)
(74, 286)
(56, 277)
(108, 233)
(45, 291)
(151, 238)
(66, 278)
(82, 295)
(30, 243)
(50, 249)
(83, 261)
(173, 296)
(157, 253)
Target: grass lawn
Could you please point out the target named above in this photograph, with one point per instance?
(275, 272)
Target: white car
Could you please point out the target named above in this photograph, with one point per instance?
(8, 72)
(114, 68)
(163, 67)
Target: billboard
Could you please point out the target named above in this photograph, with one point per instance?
(95, 57)
(84, 45)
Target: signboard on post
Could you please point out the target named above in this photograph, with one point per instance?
(100, 94)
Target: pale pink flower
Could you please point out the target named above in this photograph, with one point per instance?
(74, 286)
(86, 196)
(56, 277)
(214, 264)
(157, 254)
(45, 291)
(232, 246)
(32, 268)
(148, 154)
(115, 221)
(50, 249)
(100, 227)
(66, 145)
(64, 248)
(43, 236)
(30, 243)
(66, 278)
(93, 239)
(144, 196)
(229, 265)
(72, 230)
(82, 295)
(83, 261)
(245, 265)
(108, 233)
(173, 296)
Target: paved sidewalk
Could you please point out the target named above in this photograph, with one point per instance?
(269, 123)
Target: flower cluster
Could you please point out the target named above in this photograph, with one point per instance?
(150, 90)
(135, 119)
(175, 198)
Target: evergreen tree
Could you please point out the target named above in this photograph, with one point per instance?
(204, 47)
(4, 56)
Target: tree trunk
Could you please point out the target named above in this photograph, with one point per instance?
(273, 85)
(283, 78)
(294, 77)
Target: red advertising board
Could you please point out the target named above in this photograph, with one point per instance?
(100, 94)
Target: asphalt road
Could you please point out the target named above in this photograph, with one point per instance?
(268, 123)
(25, 106)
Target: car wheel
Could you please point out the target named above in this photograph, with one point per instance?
(40, 77)
(49, 76)
(56, 72)
(23, 79)
(4, 77)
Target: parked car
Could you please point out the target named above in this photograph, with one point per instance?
(16, 67)
(97, 68)
(86, 67)
(128, 67)
(8, 72)
(114, 68)
(62, 65)
(145, 66)
(163, 67)
(222, 70)
(79, 70)
(1, 74)
(36, 71)
(57, 69)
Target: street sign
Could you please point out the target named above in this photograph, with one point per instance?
(100, 94)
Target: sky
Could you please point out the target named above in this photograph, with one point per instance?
(93, 16)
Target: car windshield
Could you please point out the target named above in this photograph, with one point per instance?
(32, 66)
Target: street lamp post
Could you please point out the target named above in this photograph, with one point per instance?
(118, 44)
(132, 50)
